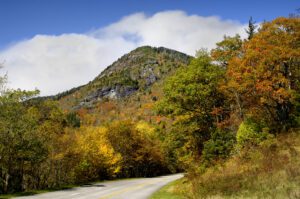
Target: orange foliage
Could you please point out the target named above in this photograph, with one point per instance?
(262, 79)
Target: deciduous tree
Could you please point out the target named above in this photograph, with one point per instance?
(264, 82)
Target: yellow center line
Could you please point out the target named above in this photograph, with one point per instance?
(131, 188)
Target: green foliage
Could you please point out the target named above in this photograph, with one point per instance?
(251, 28)
(134, 72)
(295, 115)
(118, 78)
(259, 94)
(3, 81)
(73, 120)
(203, 105)
(227, 49)
(192, 91)
(190, 96)
(18, 141)
(30, 146)
(170, 191)
(218, 147)
(179, 147)
(270, 170)
(251, 133)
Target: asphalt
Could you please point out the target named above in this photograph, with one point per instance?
(138, 188)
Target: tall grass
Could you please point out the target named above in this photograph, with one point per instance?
(270, 170)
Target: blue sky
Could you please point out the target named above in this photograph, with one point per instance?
(20, 19)
(54, 45)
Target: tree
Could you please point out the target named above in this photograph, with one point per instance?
(227, 49)
(97, 158)
(17, 140)
(264, 82)
(3, 80)
(30, 142)
(140, 154)
(218, 147)
(251, 28)
(190, 97)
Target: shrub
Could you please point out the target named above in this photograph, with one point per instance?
(250, 133)
(218, 147)
(270, 170)
(73, 120)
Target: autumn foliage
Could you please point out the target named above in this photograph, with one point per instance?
(244, 94)
(264, 81)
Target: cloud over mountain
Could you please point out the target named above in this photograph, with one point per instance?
(54, 63)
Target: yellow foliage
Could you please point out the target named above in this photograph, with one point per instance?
(93, 146)
(144, 128)
(181, 118)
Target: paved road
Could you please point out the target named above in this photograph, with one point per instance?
(140, 188)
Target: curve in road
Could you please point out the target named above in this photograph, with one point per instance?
(139, 188)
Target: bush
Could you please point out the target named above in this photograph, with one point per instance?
(73, 120)
(218, 147)
(270, 170)
(250, 133)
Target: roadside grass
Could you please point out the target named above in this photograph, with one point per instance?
(270, 171)
(170, 191)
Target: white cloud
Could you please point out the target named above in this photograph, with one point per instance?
(57, 63)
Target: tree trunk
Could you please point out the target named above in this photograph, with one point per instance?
(238, 102)
(5, 183)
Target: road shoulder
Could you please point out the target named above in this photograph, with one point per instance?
(169, 191)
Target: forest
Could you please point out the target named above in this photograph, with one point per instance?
(229, 119)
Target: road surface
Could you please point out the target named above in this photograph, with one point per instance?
(139, 188)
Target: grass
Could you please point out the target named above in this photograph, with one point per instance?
(271, 170)
(169, 191)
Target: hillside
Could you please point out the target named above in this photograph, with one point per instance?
(229, 118)
(132, 74)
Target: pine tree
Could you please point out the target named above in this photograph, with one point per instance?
(251, 28)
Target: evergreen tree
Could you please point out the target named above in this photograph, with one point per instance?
(251, 28)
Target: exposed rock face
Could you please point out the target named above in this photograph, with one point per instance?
(116, 92)
(149, 75)
(135, 71)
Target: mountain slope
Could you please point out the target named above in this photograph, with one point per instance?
(133, 73)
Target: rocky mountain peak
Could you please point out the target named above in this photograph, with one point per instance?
(133, 72)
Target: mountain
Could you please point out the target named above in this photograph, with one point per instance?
(134, 74)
